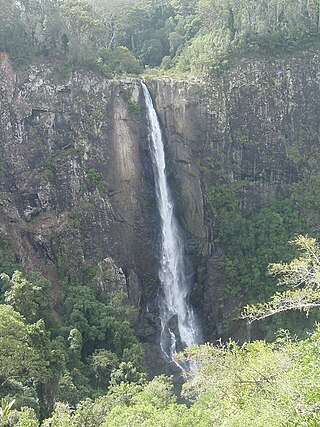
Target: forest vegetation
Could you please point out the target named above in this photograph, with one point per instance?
(254, 384)
(87, 368)
(128, 36)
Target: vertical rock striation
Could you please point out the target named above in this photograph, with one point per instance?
(77, 186)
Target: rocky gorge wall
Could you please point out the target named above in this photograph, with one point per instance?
(76, 179)
(258, 124)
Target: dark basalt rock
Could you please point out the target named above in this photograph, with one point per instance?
(76, 178)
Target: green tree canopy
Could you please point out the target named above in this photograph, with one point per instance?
(301, 280)
(30, 297)
(19, 358)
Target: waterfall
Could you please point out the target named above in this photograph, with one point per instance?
(178, 323)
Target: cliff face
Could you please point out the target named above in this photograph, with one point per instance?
(77, 187)
(258, 125)
(76, 179)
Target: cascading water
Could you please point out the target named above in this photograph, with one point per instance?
(178, 322)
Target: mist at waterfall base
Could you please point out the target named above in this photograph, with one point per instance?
(179, 326)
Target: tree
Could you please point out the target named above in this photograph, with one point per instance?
(102, 363)
(301, 277)
(13, 37)
(101, 324)
(29, 297)
(61, 417)
(127, 373)
(75, 344)
(86, 30)
(118, 61)
(25, 417)
(19, 359)
(111, 13)
(257, 384)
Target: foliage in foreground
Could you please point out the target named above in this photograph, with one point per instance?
(257, 385)
(43, 361)
(96, 358)
(301, 280)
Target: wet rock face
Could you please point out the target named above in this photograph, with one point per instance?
(76, 178)
(76, 190)
(257, 124)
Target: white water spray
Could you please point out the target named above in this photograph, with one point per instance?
(178, 322)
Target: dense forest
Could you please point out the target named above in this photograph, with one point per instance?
(255, 384)
(83, 365)
(127, 36)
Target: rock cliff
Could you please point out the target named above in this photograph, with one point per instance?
(258, 124)
(76, 178)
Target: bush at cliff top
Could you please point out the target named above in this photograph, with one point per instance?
(118, 61)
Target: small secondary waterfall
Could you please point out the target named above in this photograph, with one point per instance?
(178, 322)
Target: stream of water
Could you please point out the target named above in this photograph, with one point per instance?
(179, 328)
